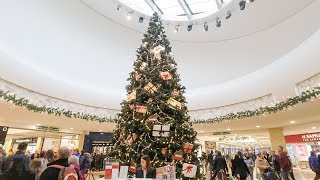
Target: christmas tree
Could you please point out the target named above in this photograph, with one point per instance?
(154, 120)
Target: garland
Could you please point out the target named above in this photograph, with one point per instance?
(23, 102)
(283, 105)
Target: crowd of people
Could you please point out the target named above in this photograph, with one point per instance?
(266, 165)
(53, 164)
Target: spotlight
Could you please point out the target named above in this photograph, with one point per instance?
(140, 19)
(176, 29)
(218, 23)
(118, 7)
(129, 15)
(228, 15)
(205, 26)
(242, 4)
(189, 28)
(250, 1)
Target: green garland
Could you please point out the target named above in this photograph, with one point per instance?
(23, 102)
(283, 105)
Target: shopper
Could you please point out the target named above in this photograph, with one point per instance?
(145, 171)
(20, 154)
(211, 157)
(239, 168)
(284, 164)
(18, 169)
(74, 163)
(275, 162)
(220, 167)
(262, 164)
(50, 156)
(84, 162)
(313, 163)
(35, 168)
(2, 158)
(291, 167)
(53, 169)
(249, 162)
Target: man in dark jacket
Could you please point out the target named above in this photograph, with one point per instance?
(20, 154)
(275, 162)
(53, 169)
(285, 165)
(210, 160)
(219, 165)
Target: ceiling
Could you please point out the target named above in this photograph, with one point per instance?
(83, 51)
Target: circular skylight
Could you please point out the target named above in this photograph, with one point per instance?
(177, 10)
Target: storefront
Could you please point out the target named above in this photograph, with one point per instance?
(32, 144)
(299, 147)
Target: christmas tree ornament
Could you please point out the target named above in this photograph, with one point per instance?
(153, 118)
(189, 170)
(164, 150)
(137, 76)
(175, 92)
(132, 95)
(174, 103)
(141, 109)
(161, 130)
(150, 88)
(131, 106)
(187, 147)
(178, 155)
(165, 75)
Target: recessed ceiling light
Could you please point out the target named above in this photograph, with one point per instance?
(205, 136)
(314, 128)
(291, 122)
(101, 133)
(71, 128)
(228, 129)
(38, 124)
(249, 136)
(201, 131)
(257, 126)
(236, 134)
(100, 130)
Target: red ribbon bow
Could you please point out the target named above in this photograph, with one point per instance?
(189, 168)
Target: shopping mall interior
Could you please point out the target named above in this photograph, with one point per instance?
(251, 71)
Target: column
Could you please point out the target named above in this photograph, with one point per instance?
(80, 141)
(39, 144)
(277, 138)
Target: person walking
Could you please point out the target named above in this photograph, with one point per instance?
(284, 164)
(275, 162)
(240, 169)
(220, 167)
(313, 163)
(249, 162)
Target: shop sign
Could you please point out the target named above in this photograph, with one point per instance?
(310, 137)
(47, 128)
(28, 140)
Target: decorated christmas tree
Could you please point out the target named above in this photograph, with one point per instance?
(154, 118)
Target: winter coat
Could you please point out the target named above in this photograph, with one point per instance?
(239, 167)
(275, 160)
(220, 163)
(262, 164)
(150, 174)
(249, 162)
(52, 173)
(85, 162)
(313, 162)
(284, 162)
(19, 154)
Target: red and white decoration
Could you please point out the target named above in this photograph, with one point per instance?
(150, 88)
(165, 75)
(178, 155)
(141, 109)
(189, 170)
(175, 92)
(187, 147)
(161, 130)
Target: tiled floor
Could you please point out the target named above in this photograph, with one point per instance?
(300, 174)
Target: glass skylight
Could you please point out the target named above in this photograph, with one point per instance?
(177, 9)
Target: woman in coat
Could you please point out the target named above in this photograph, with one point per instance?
(239, 168)
(145, 171)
